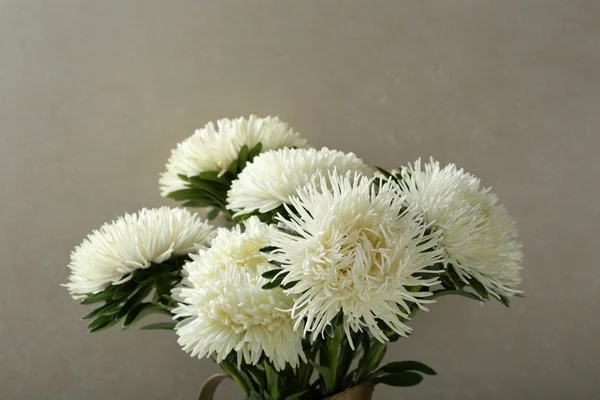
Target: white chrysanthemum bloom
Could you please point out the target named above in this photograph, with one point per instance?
(225, 308)
(274, 177)
(214, 148)
(110, 254)
(353, 251)
(479, 238)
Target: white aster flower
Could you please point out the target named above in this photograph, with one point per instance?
(274, 177)
(225, 308)
(353, 251)
(110, 254)
(214, 148)
(479, 238)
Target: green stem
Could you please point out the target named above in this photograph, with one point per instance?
(236, 375)
(272, 381)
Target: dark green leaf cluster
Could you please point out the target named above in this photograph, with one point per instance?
(147, 292)
(469, 287)
(209, 189)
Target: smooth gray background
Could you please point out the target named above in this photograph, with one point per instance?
(94, 94)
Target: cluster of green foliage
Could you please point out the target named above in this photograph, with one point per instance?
(209, 189)
(147, 292)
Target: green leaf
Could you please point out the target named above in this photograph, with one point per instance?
(462, 293)
(504, 300)
(125, 290)
(479, 288)
(346, 357)
(194, 204)
(214, 177)
(254, 396)
(209, 188)
(377, 353)
(274, 283)
(212, 214)
(267, 396)
(385, 173)
(106, 294)
(456, 279)
(447, 282)
(323, 371)
(401, 379)
(254, 151)
(273, 381)
(159, 326)
(184, 194)
(242, 157)
(134, 300)
(108, 308)
(233, 168)
(271, 274)
(403, 366)
(289, 285)
(238, 376)
(297, 396)
(268, 249)
(102, 323)
(140, 311)
(276, 263)
(329, 330)
(258, 374)
(371, 359)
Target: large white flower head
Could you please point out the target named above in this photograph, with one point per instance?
(353, 250)
(110, 254)
(215, 147)
(225, 308)
(274, 177)
(479, 238)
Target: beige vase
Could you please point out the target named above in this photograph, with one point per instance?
(360, 392)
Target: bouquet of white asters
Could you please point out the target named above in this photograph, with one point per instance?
(327, 263)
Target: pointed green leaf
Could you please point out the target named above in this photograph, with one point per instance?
(141, 310)
(462, 293)
(479, 288)
(184, 194)
(456, 279)
(242, 157)
(404, 379)
(107, 308)
(102, 323)
(505, 301)
(322, 370)
(297, 396)
(212, 214)
(268, 249)
(271, 274)
(254, 151)
(209, 188)
(289, 285)
(214, 176)
(106, 294)
(233, 168)
(273, 284)
(403, 366)
(194, 204)
(159, 325)
(385, 173)
(258, 374)
(254, 396)
(135, 299)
